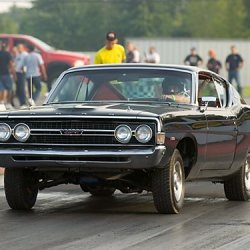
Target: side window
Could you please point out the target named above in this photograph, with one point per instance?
(207, 87)
(73, 88)
(221, 88)
(84, 90)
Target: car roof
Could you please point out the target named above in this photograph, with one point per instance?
(15, 35)
(139, 66)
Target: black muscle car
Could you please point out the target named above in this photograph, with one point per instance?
(130, 127)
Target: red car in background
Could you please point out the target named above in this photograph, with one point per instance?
(56, 61)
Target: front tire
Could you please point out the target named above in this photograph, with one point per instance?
(238, 187)
(168, 186)
(21, 188)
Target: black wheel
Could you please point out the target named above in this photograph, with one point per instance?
(100, 191)
(238, 187)
(168, 186)
(20, 188)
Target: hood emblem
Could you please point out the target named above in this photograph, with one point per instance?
(71, 131)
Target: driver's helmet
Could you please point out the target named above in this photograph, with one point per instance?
(172, 88)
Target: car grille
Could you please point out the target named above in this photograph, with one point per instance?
(78, 132)
(72, 125)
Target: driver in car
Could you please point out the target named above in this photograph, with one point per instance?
(175, 92)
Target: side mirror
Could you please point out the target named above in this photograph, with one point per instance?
(206, 101)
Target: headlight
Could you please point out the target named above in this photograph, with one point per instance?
(123, 133)
(78, 63)
(21, 132)
(143, 133)
(5, 132)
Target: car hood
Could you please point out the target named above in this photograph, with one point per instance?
(97, 109)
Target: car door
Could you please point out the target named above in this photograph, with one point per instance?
(221, 124)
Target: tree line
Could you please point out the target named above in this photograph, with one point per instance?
(81, 25)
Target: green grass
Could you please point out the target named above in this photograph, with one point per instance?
(246, 91)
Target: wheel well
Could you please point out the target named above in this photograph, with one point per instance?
(188, 151)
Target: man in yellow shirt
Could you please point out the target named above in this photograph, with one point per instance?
(111, 52)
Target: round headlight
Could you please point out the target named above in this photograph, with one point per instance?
(21, 132)
(123, 133)
(5, 132)
(143, 133)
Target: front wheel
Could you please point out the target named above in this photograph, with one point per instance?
(238, 187)
(21, 188)
(168, 186)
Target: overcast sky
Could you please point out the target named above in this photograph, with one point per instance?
(6, 4)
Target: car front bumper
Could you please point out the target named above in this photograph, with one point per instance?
(141, 158)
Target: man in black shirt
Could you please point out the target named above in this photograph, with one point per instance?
(193, 59)
(234, 63)
(6, 69)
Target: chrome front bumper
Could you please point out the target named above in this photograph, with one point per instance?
(141, 158)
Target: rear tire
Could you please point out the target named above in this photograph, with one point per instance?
(168, 186)
(21, 188)
(238, 187)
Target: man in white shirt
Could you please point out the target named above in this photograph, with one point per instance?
(20, 82)
(35, 71)
(152, 56)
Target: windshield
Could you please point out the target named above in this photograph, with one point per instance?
(42, 44)
(123, 85)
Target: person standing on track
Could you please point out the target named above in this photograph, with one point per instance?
(35, 71)
(111, 52)
(234, 63)
(20, 82)
(6, 70)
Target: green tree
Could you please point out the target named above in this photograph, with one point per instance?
(214, 18)
(7, 25)
(81, 25)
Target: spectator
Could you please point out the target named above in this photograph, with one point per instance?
(35, 70)
(193, 59)
(133, 55)
(234, 63)
(152, 56)
(111, 52)
(213, 64)
(6, 69)
(20, 82)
